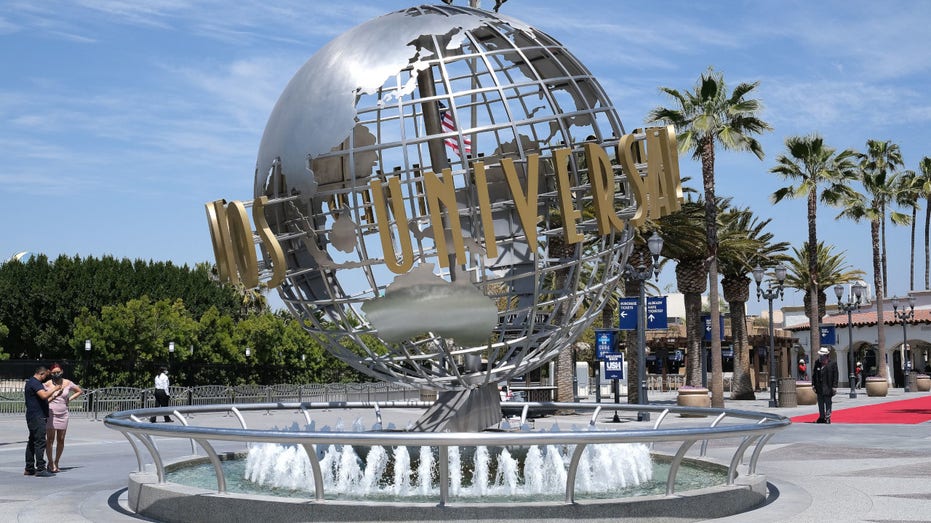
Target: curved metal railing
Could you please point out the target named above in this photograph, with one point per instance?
(755, 429)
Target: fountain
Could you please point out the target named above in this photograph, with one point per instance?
(445, 198)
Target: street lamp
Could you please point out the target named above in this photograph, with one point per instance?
(905, 316)
(772, 292)
(641, 274)
(87, 353)
(852, 303)
(171, 352)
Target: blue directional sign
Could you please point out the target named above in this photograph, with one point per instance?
(627, 314)
(614, 366)
(828, 334)
(706, 321)
(604, 342)
(656, 313)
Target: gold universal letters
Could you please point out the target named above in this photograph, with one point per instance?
(657, 194)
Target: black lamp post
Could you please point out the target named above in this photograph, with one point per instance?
(641, 274)
(87, 354)
(248, 363)
(171, 354)
(852, 303)
(905, 316)
(772, 292)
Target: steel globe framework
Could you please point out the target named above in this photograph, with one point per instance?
(405, 257)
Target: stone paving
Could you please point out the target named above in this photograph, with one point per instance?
(817, 472)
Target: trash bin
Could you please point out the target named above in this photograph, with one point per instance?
(787, 396)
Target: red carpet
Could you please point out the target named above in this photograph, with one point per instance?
(904, 412)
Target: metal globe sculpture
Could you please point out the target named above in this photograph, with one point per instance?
(428, 184)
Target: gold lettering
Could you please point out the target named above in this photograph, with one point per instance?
(270, 245)
(382, 218)
(220, 237)
(662, 173)
(526, 203)
(444, 190)
(625, 154)
(601, 176)
(570, 215)
(243, 245)
(484, 205)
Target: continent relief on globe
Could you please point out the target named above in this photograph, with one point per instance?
(420, 301)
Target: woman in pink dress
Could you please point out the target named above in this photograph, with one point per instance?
(58, 414)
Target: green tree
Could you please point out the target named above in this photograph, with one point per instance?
(874, 174)
(924, 167)
(878, 167)
(811, 165)
(907, 193)
(131, 340)
(704, 117)
(832, 269)
(684, 242)
(751, 245)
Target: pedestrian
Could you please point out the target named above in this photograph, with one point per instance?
(859, 375)
(802, 370)
(824, 381)
(58, 410)
(161, 392)
(37, 398)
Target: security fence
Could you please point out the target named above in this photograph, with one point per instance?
(97, 403)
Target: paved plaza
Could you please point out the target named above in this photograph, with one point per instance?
(816, 472)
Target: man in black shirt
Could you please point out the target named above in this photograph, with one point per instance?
(37, 399)
(824, 381)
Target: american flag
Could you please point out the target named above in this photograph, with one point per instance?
(449, 126)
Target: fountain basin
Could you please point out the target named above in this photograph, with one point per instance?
(152, 493)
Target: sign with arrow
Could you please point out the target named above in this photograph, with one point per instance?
(627, 314)
(656, 313)
(706, 321)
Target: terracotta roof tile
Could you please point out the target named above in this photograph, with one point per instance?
(866, 319)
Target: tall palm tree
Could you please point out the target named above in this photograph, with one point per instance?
(704, 117)
(871, 206)
(879, 164)
(832, 269)
(751, 245)
(925, 168)
(810, 165)
(684, 242)
(907, 192)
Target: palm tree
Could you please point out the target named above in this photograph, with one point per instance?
(874, 173)
(907, 192)
(925, 167)
(684, 242)
(750, 246)
(704, 117)
(879, 164)
(810, 164)
(832, 269)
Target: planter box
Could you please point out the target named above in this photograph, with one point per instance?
(693, 397)
(805, 393)
(877, 386)
(923, 383)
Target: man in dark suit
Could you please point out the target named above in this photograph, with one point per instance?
(824, 381)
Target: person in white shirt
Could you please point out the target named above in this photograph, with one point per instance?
(161, 393)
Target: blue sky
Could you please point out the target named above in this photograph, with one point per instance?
(119, 119)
